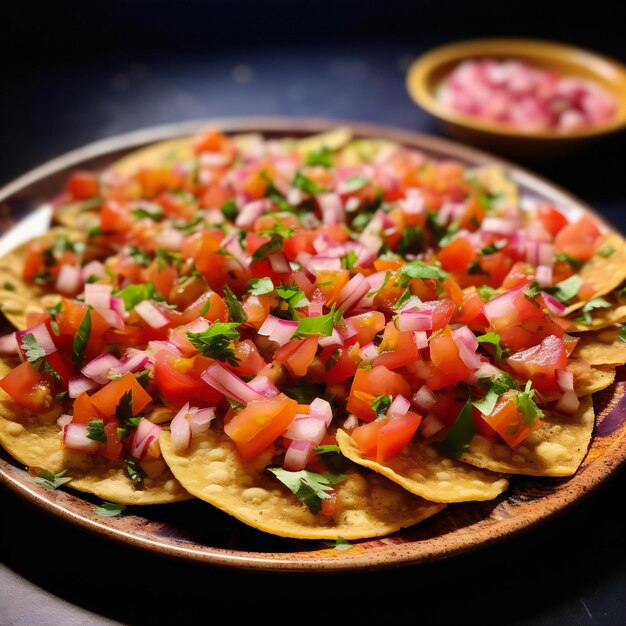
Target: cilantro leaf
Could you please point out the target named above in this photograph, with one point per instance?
(81, 338)
(503, 382)
(132, 295)
(375, 292)
(124, 408)
(309, 487)
(322, 157)
(419, 269)
(494, 339)
(109, 509)
(354, 183)
(216, 340)
(149, 211)
(37, 357)
(411, 241)
(319, 325)
(595, 303)
(229, 210)
(532, 291)
(459, 436)
(260, 286)
(135, 471)
(568, 258)
(306, 184)
(486, 292)
(527, 407)
(606, 252)
(348, 261)
(274, 245)
(95, 430)
(235, 310)
(50, 480)
(139, 256)
(566, 289)
(381, 405)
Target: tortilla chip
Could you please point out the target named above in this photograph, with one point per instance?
(35, 442)
(333, 140)
(163, 153)
(555, 449)
(368, 505)
(601, 318)
(592, 379)
(360, 151)
(496, 182)
(604, 273)
(603, 347)
(421, 470)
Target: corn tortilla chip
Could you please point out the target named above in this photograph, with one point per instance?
(368, 505)
(423, 471)
(603, 347)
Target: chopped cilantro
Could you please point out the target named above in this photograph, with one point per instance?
(595, 303)
(260, 286)
(419, 269)
(237, 406)
(532, 291)
(403, 299)
(494, 339)
(568, 258)
(235, 310)
(9, 286)
(135, 471)
(306, 184)
(187, 226)
(460, 434)
(411, 241)
(274, 245)
(322, 157)
(230, 210)
(375, 292)
(503, 382)
(81, 338)
(50, 480)
(167, 258)
(493, 247)
(216, 341)
(474, 269)
(566, 289)
(318, 325)
(348, 261)
(153, 212)
(139, 256)
(354, 183)
(124, 408)
(132, 295)
(109, 509)
(274, 195)
(527, 407)
(607, 251)
(36, 356)
(309, 487)
(95, 430)
(381, 405)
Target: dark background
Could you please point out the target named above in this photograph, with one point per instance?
(75, 72)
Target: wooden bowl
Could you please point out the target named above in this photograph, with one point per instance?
(427, 72)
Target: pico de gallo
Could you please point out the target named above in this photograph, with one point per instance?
(288, 294)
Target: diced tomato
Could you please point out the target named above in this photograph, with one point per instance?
(366, 326)
(107, 398)
(374, 382)
(259, 424)
(457, 255)
(551, 218)
(212, 140)
(509, 423)
(340, 364)
(580, 239)
(83, 185)
(540, 362)
(115, 218)
(396, 434)
(84, 409)
(113, 447)
(397, 348)
(296, 355)
(250, 361)
(29, 388)
(445, 356)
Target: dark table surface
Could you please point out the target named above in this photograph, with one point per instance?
(90, 79)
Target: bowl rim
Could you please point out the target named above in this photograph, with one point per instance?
(419, 72)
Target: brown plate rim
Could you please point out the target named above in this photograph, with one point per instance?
(378, 554)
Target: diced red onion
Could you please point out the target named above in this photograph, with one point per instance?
(117, 304)
(298, 455)
(369, 352)
(69, 279)
(279, 263)
(134, 362)
(64, 420)
(424, 398)
(251, 211)
(334, 339)
(498, 226)
(40, 335)
(263, 385)
(352, 292)
(75, 438)
(568, 403)
(553, 305)
(8, 344)
(565, 380)
(502, 305)
(98, 295)
(151, 314)
(413, 203)
(543, 275)
(93, 268)
(399, 406)
(375, 282)
(278, 330)
(332, 209)
(112, 318)
(545, 255)
(156, 345)
(170, 239)
(430, 426)
(322, 407)
(320, 263)
(322, 242)
(464, 335)
(98, 369)
(307, 427)
(79, 384)
(421, 339)
(146, 432)
(229, 384)
(180, 430)
(200, 419)
(414, 320)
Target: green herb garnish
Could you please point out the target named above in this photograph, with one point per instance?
(216, 341)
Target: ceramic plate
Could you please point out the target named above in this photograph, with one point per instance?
(195, 531)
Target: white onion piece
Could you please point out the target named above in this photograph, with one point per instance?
(322, 407)
(413, 204)
(298, 455)
(8, 344)
(151, 314)
(307, 427)
(352, 421)
(69, 279)
(41, 335)
(200, 419)
(75, 438)
(79, 384)
(229, 384)
(98, 369)
(498, 226)
(424, 398)
(180, 430)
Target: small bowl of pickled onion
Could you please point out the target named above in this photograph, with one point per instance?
(521, 97)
